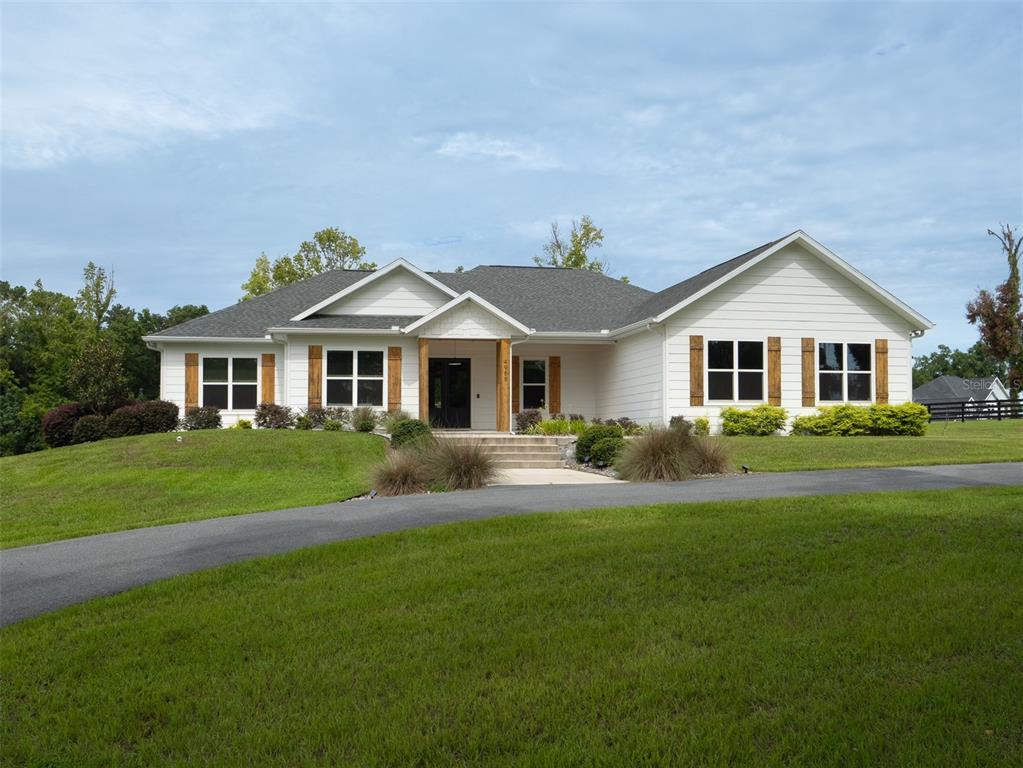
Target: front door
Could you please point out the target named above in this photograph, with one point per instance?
(449, 392)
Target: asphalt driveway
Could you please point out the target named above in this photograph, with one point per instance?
(45, 577)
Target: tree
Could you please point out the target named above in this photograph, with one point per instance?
(574, 254)
(181, 313)
(329, 249)
(97, 378)
(974, 363)
(998, 315)
(96, 294)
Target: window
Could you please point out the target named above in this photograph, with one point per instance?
(355, 374)
(230, 383)
(534, 383)
(735, 370)
(843, 372)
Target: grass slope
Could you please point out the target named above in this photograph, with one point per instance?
(858, 631)
(950, 443)
(133, 482)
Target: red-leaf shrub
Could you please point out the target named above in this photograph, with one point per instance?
(59, 424)
(207, 417)
(159, 416)
(273, 416)
(125, 421)
(89, 429)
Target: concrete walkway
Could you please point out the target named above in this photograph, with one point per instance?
(44, 577)
(551, 477)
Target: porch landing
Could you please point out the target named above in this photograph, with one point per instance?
(551, 477)
(522, 452)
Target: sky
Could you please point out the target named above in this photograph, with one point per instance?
(174, 143)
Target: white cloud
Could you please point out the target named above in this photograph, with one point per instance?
(466, 144)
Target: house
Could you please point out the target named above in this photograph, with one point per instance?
(788, 323)
(953, 389)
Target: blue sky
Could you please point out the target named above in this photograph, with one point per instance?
(173, 143)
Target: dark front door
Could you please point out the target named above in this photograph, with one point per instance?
(449, 392)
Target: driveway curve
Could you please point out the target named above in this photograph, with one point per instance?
(45, 577)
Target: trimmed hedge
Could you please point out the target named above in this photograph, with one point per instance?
(908, 419)
(606, 450)
(59, 424)
(158, 416)
(760, 421)
(125, 421)
(584, 445)
(89, 429)
(409, 431)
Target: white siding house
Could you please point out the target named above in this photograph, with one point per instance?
(788, 323)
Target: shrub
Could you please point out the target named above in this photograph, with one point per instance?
(207, 417)
(89, 429)
(527, 418)
(909, 419)
(273, 416)
(557, 427)
(391, 419)
(606, 450)
(242, 424)
(125, 421)
(709, 456)
(569, 416)
(660, 454)
(319, 416)
(701, 426)
(364, 419)
(409, 431)
(760, 421)
(680, 423)
(332, 425)
(303, 422)
(158, 416)
(591, 435)
(59, 424)
(460, 465)
(628, 426)
(404, 472)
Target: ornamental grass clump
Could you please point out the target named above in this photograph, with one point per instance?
(364, 419)
(709, 456)
(660, 454)
(458, 465)
(390, 420)
(404, 472)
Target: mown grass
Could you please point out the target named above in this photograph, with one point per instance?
(133, 482)
(949, 443)
(871, 630)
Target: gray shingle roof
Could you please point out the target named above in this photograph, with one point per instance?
(543, 298)
(952, 389)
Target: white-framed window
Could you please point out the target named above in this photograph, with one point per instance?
(230, 383)
(534, 383)
(844, 372)
(355, 377)
(735, 371)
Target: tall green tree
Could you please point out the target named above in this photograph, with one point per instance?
(96, 377)
(574, 253)
(327, 250)
(974, 363)
(96, 294)
(998, 314)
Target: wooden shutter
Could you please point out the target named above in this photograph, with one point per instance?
(516, 372)
(554, 385)
(774, 370)
(268, 370)
(696, 370)
(809, 373)
(315, 376)
(881, 370)
(191, 380)
(394, 378)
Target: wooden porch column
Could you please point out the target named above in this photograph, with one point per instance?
(503, 374)
(424, 383)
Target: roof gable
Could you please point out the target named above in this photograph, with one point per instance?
(468, 316)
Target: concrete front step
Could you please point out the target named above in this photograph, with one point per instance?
(509, 440)
(529, 463)
(515, 451)
(544, 453)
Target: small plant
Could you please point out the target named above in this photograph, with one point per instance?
(527, 418)
(125, 421)
(606, 450)
(392, 419)
(460, 466)
(89, 429)
(206, 417)
(409, 431)
(59, 424)
(332, 425)
(627, 425)
(709, 456)
(701, 426)
(760, 421)
(242, 424)
(303, 422)
(158, 416)
(586, 440)
(660, 454)
(908, 419)
(364, 419)
(273, 416)
(557, 426)
(681, 423)
(404, 472)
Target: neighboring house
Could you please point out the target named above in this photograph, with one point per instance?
(953, 389)
(788, 323)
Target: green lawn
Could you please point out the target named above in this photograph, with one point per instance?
(871, 630)
(949, 443)
(133, 482)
